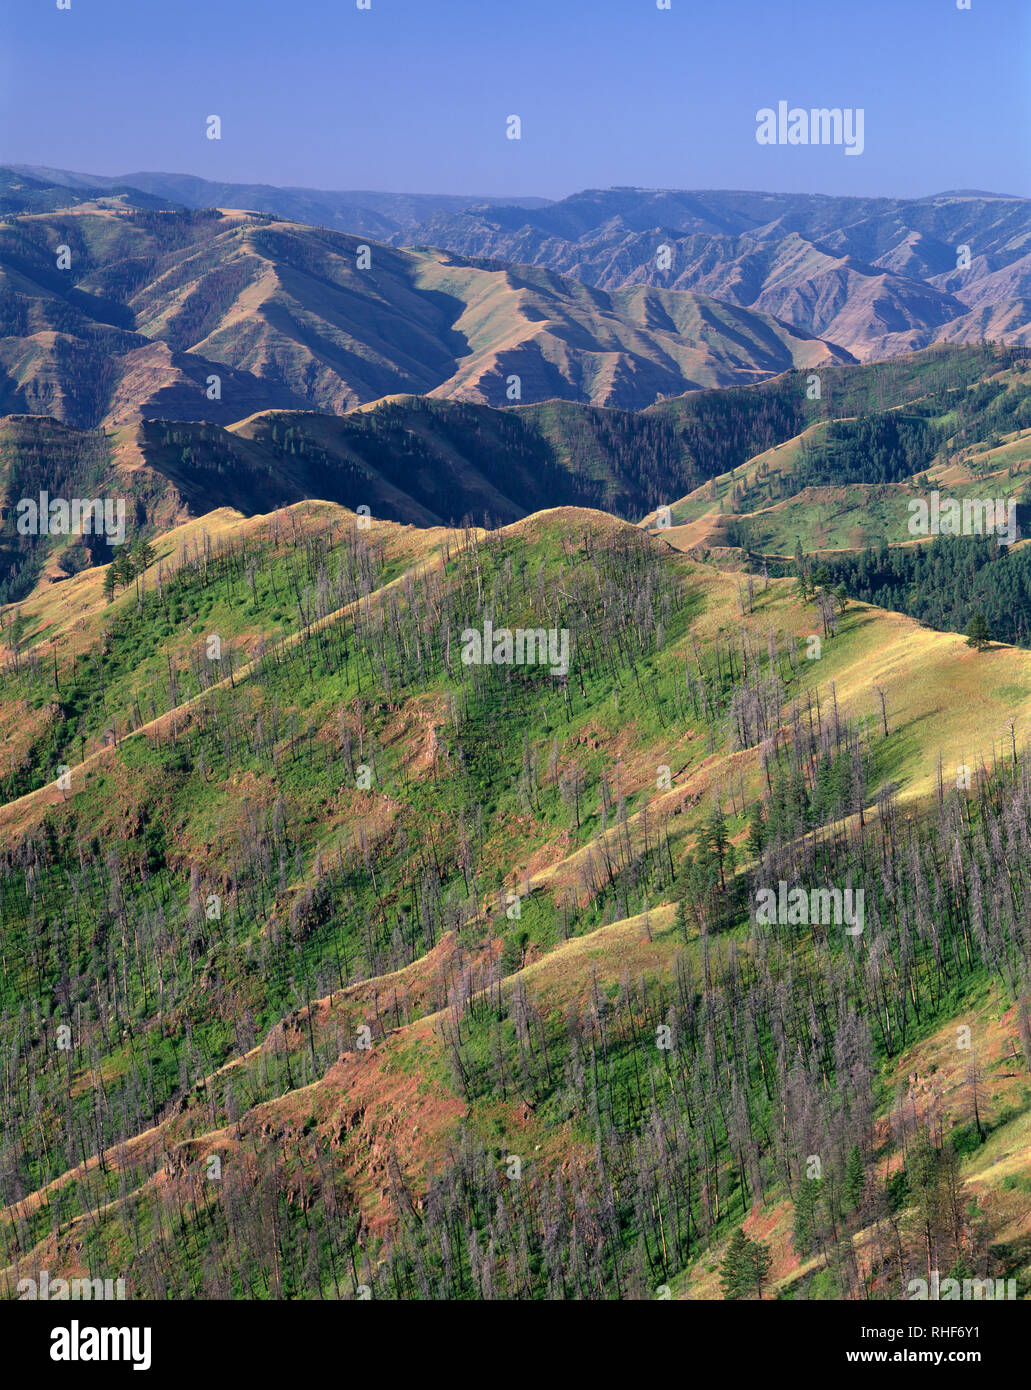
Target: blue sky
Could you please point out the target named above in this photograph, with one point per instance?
(413, 95)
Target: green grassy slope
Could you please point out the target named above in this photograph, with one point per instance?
(362, 922)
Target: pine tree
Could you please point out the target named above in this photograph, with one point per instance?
(760, 1261)
(142, 554)
(716, 838)
(801, 573)
(756, 829)
(121, 568)
(924, 1178)
(735, 1275)
(805, 1224)
(745, 1266)
(978, 633)
(855, 1179)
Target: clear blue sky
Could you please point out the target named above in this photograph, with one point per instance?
(413, 95)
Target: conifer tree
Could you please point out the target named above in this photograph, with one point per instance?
(735, 1275)
(807, 1200)
(717, 840)
(978, 633)
(756, 829)
(855, 1178)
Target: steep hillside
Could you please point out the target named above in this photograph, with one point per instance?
(408, 459)
(431, 461)
(874, 275)
(20, 192)
(319, 930)
(847, 483)
(212, 316)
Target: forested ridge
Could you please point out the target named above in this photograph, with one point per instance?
(431, 461)
(945, 583)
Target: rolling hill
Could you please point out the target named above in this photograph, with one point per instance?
(337, 961)
(765, 448)
(845, 483)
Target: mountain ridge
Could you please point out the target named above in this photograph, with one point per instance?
(876, 276)
(155, 305)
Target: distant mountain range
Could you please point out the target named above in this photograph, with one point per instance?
(379, 215)
(189, 315)
(875, 276)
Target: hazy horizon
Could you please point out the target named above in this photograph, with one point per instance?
(416, 98)
(127, 176)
